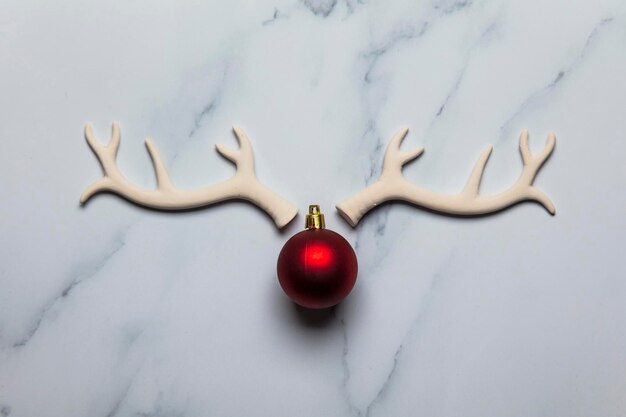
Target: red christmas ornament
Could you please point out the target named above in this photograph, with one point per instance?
(317, 267)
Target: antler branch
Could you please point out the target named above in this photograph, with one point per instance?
(244, 185)
(393, 186)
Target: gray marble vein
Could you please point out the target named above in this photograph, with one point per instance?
(561, 75)
(91, 270)
(321, 8)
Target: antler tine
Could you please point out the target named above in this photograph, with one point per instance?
(473, 183)
(524, 149)
(532, 165)
(393, 186)
(243, 157)
(528, 158)
(96, 146)
(91, 139)
(106, 157)
(104, 153)
(243, 185)
(164, 181)
(396, 159)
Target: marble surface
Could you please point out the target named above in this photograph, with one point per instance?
(114, 310)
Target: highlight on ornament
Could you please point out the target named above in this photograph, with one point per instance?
(244, 185)
(392, 186)
(317, 268)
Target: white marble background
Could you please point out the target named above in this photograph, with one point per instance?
(114, 310)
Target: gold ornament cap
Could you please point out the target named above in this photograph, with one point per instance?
(315, 218)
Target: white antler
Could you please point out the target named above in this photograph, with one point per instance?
(392, 186)
(244, 185)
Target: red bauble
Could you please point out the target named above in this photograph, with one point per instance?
(317, 268)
